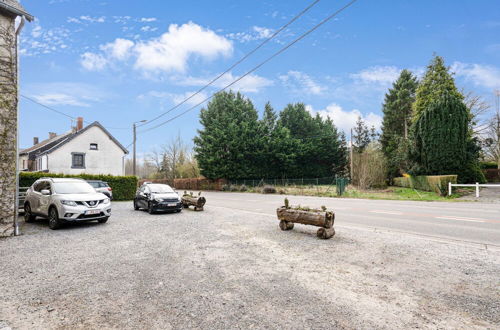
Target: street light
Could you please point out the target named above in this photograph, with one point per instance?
(135, 138)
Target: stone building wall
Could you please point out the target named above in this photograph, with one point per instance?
(8, 124)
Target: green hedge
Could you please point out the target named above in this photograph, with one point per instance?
(489, 165)
(436, 183)
(124, 187)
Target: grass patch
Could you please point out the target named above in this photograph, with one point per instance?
(389, 193)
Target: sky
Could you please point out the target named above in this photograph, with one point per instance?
(119, 61)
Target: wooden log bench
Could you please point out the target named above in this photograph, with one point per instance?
(319, 218)
(197, 201)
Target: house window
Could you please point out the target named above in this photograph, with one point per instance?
(93, 146)
(77, 160)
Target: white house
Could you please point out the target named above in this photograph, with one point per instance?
(90, 150)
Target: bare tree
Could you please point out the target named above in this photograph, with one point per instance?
(478, 109)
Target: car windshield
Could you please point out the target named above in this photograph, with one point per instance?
(73, 188)
(160, 188)
(94, 184)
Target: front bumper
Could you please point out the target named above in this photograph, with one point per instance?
(82, 213)
(167, 206)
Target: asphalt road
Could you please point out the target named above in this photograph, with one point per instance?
(475, 222)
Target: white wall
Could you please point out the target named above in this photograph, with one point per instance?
(106, 160)
(21, 159)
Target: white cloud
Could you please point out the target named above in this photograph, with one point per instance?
(172, 50)
(249, 84)
(148, 19)
(119, 49)
(481, 75)
(345, 120)
(177, 98)
(148, 28)
(378, 74)
(63, 93)
(59, 99)
(301, 83)
(93, 62)
(256, 33)
(168, 53)
(43, 41)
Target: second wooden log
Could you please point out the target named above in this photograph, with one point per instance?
(319, 218)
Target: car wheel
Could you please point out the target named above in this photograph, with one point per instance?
(103, 220)
(135, 205)
(54, 222)
(178, 211)
(150, 208)
(28, 216)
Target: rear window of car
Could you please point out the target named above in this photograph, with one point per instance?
(98, 184)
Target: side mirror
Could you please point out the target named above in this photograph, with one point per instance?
(45, 192)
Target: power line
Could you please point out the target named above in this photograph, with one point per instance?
(256, 67)
(62, 113)
(235, 64)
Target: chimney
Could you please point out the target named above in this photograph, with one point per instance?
(79, 123)
(35, 141)
(52, 135)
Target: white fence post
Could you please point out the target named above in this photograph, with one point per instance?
(477, 189)
(449, 188)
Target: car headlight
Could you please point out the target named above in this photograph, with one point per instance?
(158, 199)
(69, 203)
(106, 201)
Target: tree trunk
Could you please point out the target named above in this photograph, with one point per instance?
(285, 225)
(197, 202)
(325, 233)
(313, 218)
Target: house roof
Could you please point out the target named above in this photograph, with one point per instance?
(45, 144)
(14, 7)
(49, 145)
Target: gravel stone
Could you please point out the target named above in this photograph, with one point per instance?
(223, 268)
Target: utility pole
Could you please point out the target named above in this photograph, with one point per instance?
(134, 160)
(134, 155)
(351, 151)
(497, 104)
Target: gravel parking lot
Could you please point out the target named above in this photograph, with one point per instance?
(225, 268)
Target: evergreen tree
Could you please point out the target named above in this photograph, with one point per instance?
(318, 146)
(437, 80)
(442, 143)
(278, 151)
(361, 137)
(397, 110)
(228, 144)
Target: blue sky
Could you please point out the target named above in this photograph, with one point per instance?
(118, 61)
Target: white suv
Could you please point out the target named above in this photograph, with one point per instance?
(65, 200)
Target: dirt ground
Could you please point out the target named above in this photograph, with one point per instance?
(223, 268)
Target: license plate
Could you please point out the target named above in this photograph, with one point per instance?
(172, 204)
(92, 212)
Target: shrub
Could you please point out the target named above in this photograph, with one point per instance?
(268, 190)
(489, 165)
(436, 183)
(369, 168)
(243, 188)
(124, 187)
(225, 187)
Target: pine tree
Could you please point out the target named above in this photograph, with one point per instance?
(228, 144)
(441, 141)
(277, 154)
(437, 80)
(397, 110)
(361, 137)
